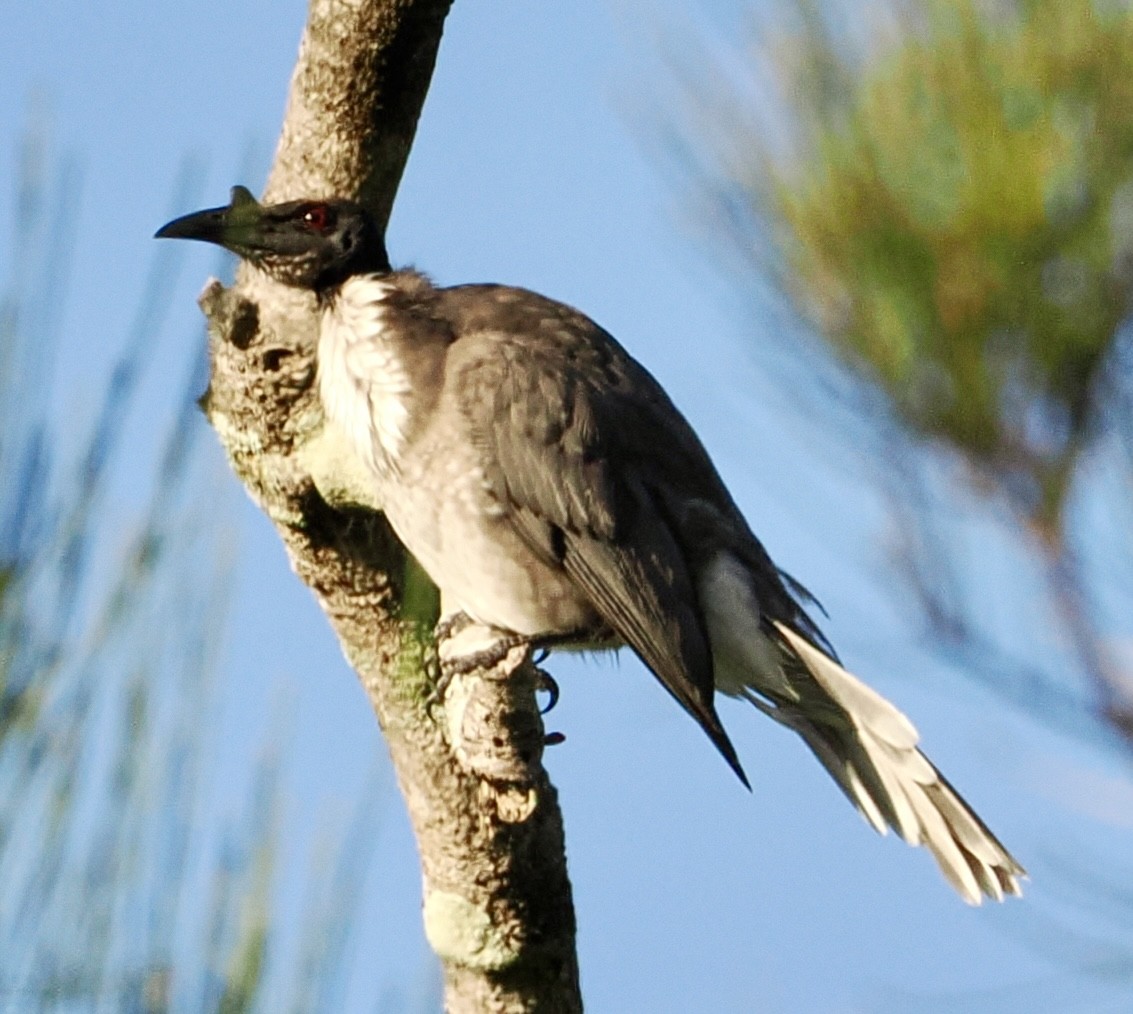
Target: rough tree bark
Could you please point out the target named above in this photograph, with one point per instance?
(497, 901)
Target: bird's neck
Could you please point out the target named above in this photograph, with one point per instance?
(377, 362)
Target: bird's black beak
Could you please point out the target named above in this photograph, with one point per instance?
(235, 226)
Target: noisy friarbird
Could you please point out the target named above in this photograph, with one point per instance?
(553, 492)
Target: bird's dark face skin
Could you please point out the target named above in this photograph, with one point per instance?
(308, 244)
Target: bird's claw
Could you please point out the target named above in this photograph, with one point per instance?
(442, 677)
(546, 683)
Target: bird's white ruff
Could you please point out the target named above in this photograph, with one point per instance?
(363, 383)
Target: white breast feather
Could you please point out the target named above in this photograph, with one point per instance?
(363, 384)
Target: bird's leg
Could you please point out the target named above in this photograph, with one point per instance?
(486, 655)
(464, 646)
(462, 663)
(457, 660)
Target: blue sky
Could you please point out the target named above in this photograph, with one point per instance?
(533, 166)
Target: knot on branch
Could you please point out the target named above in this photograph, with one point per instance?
(232, 317)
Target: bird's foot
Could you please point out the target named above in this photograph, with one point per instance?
(465, 646)
(460, 663)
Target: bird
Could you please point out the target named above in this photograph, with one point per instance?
(555, 495)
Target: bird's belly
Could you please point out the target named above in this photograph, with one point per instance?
(483, 568)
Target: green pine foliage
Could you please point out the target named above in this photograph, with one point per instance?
(955, 213)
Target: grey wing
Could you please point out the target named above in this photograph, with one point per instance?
(547, 411)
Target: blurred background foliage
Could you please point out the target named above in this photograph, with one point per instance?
(130, 882)
(961, 226)
(943, 192)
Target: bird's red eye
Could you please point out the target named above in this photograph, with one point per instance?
(317, 217)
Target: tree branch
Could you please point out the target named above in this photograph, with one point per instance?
(497, 901)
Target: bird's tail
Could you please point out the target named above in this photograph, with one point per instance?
(870, 749)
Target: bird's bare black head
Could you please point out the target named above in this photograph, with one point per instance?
(309, 244)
